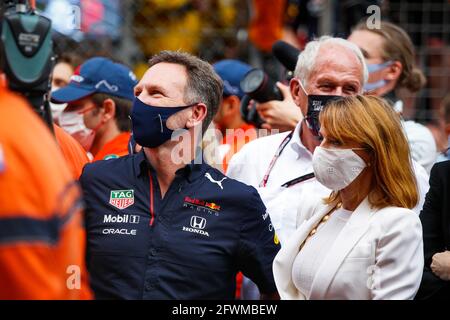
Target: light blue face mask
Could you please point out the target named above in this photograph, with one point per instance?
(375, 67)
(374, 85)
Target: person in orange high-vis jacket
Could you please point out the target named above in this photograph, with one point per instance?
(42, 240)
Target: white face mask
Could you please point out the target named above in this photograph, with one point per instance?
(337, 168)
(73, 123)
(57, 108)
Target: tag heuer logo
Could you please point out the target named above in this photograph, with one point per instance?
(121, 199)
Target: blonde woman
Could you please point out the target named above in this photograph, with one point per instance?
(363, 241)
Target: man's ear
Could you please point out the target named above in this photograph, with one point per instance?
(394, 71)
(198, 114)
(109, 107)
(232, 104)
(299, 95)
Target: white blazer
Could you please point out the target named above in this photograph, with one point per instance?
(377, 255)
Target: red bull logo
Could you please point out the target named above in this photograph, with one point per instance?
(201, 203)
(213, 206)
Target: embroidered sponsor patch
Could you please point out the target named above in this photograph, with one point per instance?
(201, 203)
(121, 199)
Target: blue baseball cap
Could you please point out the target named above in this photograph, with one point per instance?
(231, 72)
(98, 75)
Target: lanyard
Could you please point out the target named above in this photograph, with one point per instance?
(274, 160)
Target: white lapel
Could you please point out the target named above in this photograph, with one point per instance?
(355, 228)
(282, 264)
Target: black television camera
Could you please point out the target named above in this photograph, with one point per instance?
(258, 86)
(26, 53)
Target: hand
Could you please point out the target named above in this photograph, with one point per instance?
(283, 115)
(440, 265)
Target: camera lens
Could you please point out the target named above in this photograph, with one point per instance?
(252, 81)
(258, 86)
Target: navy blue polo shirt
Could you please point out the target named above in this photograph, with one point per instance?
(188, 245)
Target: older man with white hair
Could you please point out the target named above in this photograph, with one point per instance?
(280, 165)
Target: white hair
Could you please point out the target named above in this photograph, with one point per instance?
(307, 58)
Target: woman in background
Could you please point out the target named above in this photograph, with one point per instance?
(390, 58)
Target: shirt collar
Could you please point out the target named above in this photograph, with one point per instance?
(191, 171)
(296, 143)
(140, 163)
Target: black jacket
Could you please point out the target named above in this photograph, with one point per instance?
(435, 217)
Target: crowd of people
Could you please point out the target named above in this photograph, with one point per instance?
(340, 198)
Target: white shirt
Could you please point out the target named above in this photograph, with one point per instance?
(315, 250)
(250, 165)
(422, 144)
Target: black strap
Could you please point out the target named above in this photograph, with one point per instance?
(298, 180)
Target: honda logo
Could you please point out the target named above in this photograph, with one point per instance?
(198, 222)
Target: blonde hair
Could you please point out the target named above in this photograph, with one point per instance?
(397, 46)
(372, 123)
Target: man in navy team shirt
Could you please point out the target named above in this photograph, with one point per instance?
(160, 228)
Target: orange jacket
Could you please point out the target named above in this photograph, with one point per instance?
(72, 151)
(42, 241)
(115, 148)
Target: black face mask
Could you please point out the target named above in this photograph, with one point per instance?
(316, 103)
